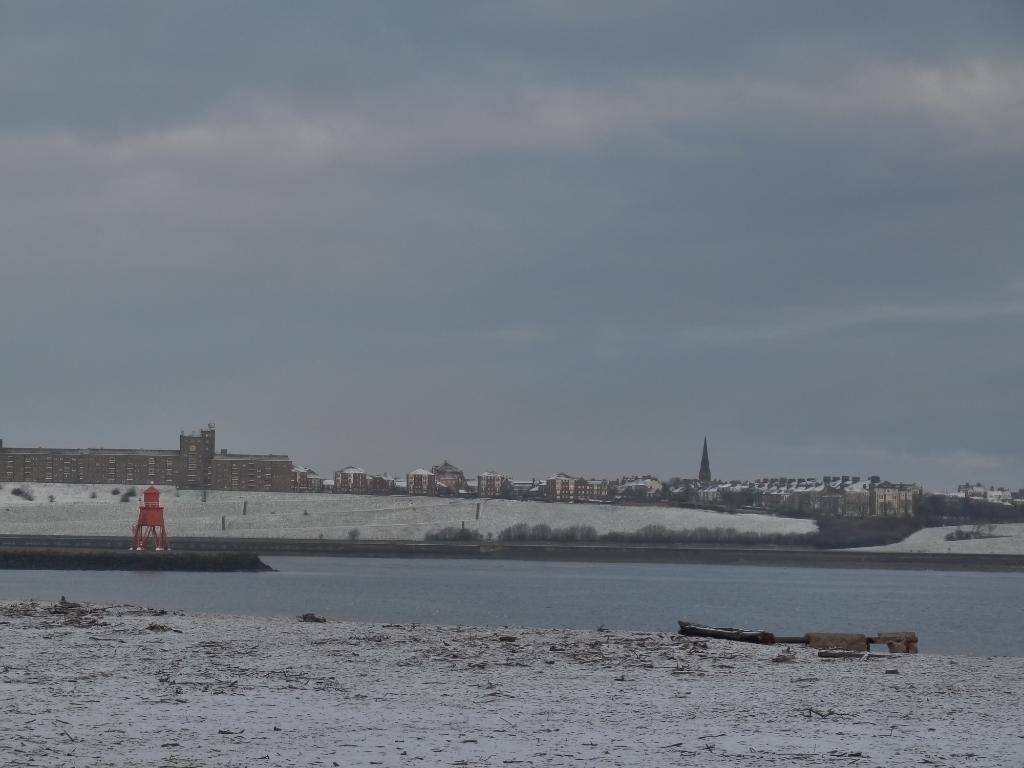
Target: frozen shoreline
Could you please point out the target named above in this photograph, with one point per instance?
(125, 686)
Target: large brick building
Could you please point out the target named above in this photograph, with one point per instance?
(351, 480)
(195, 464)
(492, 485)
(450, 476)
(419, 482)
(560, 487)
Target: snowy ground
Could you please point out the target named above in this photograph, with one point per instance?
(305, 515)
(127, 687)
(1007, 539)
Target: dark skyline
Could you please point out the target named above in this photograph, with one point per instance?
(531, 237)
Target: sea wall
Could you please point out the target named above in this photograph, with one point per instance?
(600, 553)
(71, 558)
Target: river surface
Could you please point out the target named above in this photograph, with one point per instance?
(953, 612)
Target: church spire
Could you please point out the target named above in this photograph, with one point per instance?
(705, 465)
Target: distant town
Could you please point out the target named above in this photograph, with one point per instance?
(197, 464)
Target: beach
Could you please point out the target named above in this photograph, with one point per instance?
(120, 685)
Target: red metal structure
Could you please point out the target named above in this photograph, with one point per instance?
(151, 523)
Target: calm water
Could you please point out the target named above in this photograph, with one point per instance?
(953, 612)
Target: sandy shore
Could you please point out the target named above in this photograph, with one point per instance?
(124, 686)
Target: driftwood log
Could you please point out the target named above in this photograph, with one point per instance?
(896, 642)
(758, 636)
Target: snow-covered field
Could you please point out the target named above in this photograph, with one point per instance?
(121, 686)
(1008, 539)
(306, 515)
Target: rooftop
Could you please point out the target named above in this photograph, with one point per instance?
(88, 451)
(249, 457)
(446, 466)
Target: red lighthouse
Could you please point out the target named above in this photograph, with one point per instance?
(151, 523)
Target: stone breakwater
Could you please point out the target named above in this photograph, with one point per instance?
(64, 558)
(84, 685)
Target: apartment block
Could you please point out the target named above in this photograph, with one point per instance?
(561, 487)
(450, 476)
(351, 480)
(491, 485)
(195, 464)
(420, 482)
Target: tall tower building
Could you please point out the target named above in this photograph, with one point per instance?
(197, 453)
(705, 465)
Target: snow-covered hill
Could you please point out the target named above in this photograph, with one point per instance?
(1008, 539)
(94, 510)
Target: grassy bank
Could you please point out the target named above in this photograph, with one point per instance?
(832, 533)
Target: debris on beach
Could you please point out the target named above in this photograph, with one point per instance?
(841, 654)
(267, 691)
(786, 655)
(312, 617)
(78, 614)
(896, 642)
(759, 636)
(155, 627)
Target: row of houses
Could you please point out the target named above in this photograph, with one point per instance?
(441, 480)
(197, 463)
(833, 495)
(446, 479)
(991, 494)
(839, 495)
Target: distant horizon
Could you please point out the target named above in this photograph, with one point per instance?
(473, 470)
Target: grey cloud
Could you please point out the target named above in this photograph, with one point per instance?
(613, 229)
(822, 322)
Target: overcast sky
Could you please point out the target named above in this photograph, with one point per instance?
(528, 236)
